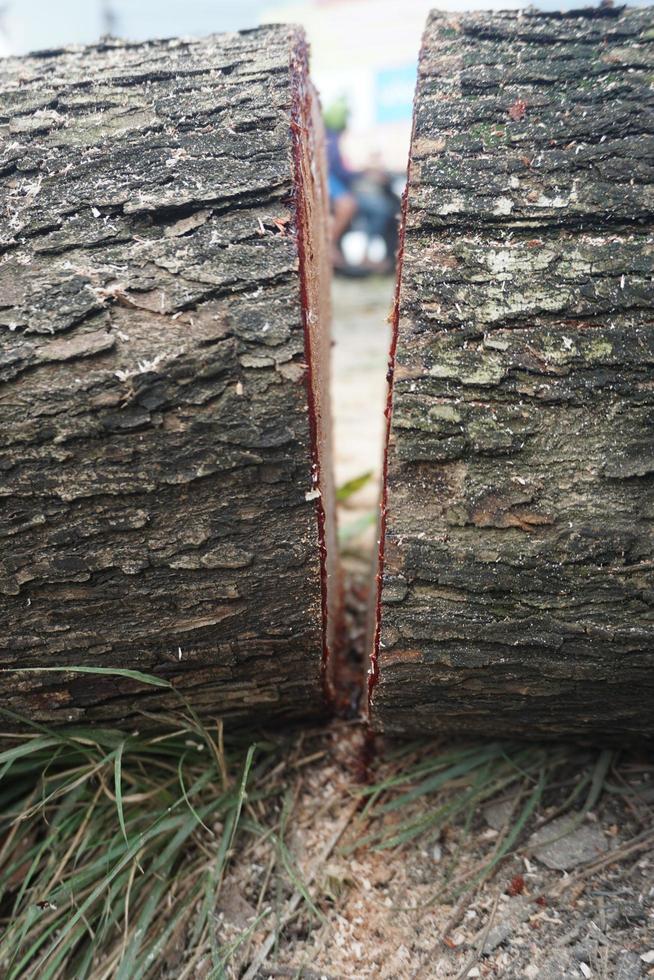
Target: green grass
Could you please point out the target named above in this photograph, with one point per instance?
(423, 792)
(353, 529)
(348, 489)
(349, 532)
(115, 847)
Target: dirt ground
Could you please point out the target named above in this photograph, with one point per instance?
(580, 907)
(501, 886)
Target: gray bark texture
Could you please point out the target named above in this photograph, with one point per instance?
(163, 336)
(517, 593)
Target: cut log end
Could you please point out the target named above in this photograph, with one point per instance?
(315, 280)
(517, 592)
(166, 491)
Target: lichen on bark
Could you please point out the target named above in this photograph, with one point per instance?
(158, 474)
(518, 583)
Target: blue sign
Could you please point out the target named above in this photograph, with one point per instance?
(394, 89)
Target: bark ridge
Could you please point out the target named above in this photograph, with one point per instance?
(160, 501)
(517, 592)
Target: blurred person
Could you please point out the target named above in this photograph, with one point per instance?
(109, 19)
(360, 201)
(342, 201)
(378, 208)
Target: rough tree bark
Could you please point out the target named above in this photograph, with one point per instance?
(518, 561)
(165, 500)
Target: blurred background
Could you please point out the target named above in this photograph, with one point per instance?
(364, 59)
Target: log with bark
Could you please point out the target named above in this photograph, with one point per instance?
(166, 500)
(517, 554)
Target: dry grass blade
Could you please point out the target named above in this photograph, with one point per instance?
(262, 953)
(123, 854)
(463, 973)
(417, 799)
(93, 882)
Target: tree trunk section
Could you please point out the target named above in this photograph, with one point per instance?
(164, 329)
(517, 561)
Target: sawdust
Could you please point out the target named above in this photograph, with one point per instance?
(395, 913)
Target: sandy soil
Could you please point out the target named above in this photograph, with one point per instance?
(435, 907)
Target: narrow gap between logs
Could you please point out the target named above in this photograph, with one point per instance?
(364, 312)
(364, 324)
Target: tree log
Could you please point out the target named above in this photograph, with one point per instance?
(164, 328)
(517, 554)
